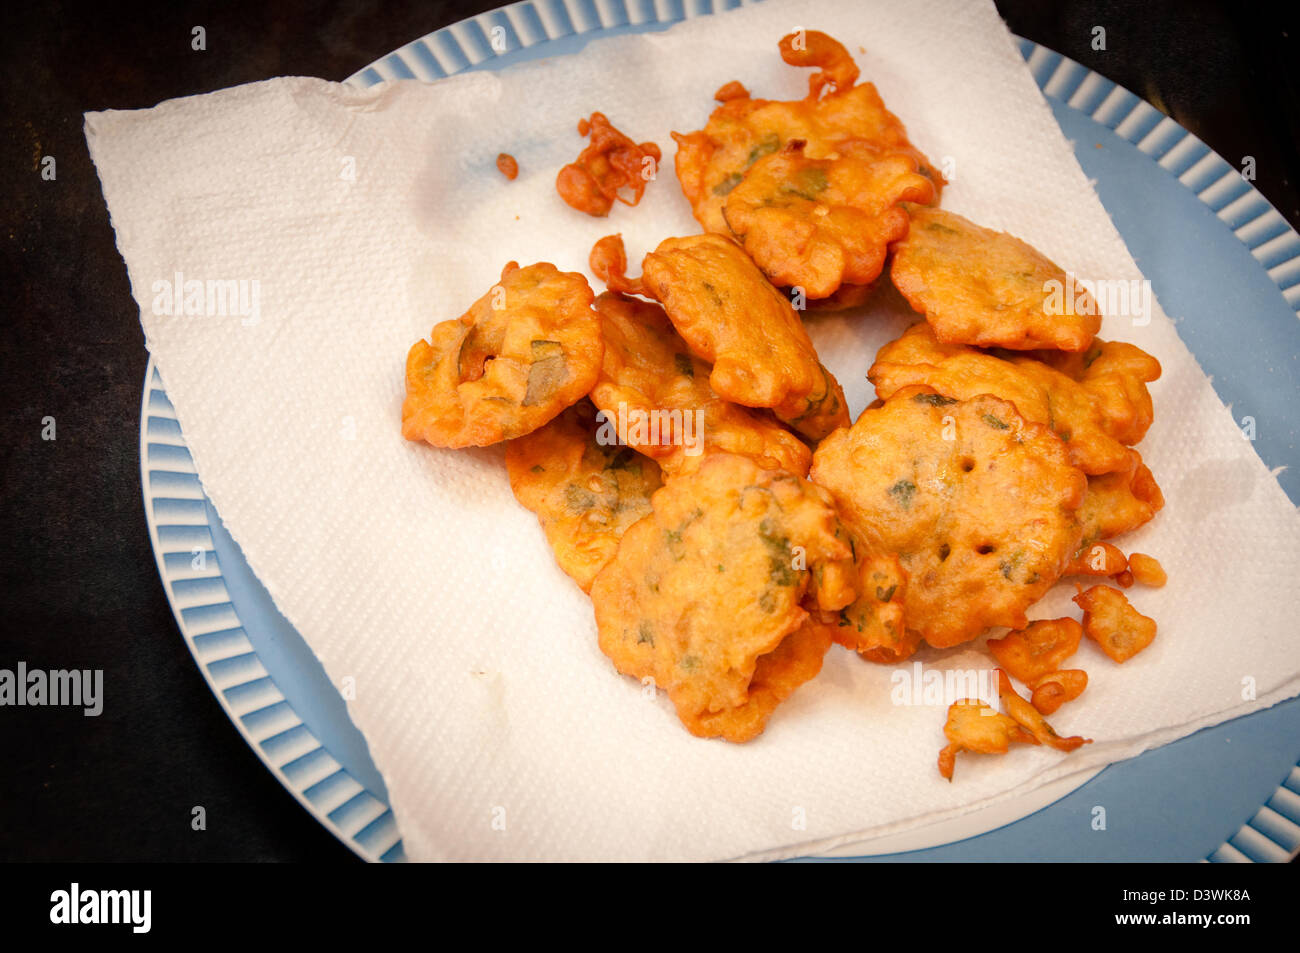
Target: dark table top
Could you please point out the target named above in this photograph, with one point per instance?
(80, 589)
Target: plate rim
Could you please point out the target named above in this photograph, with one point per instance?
(270, 696)
(465, 44)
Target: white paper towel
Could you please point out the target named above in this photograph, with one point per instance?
(479, 686)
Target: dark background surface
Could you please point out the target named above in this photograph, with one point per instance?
(80, 589)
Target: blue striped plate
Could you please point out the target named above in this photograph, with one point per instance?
(1210, 243)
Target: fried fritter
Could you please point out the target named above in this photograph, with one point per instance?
(850, 120)
(797, 659)
(844, 298)
(816, 224)
(649, 374)
(977, 286)
(610, 162)
(730, 315)
(585, 492)
(522, 353)
(1120, 501)
(979, 505)
(1037, 649)
(873, 624)
(711, 583)
(1116, 374)
(1112, 622)
(1096, 416)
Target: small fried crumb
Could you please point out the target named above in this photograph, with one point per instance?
(1147, 570)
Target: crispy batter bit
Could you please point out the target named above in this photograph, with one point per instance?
(1099, 559)
(1038, 649)
(974, 726)
(977, 286)
(1096, 415)
(1032, 720)
(1112, 622)
(730, 315)
(585, 492)
(507, 166)
(816, 224)
(610, 162)
(522, 353)
(729, 91)
(851, 119)
(1056, 688)
(813, 48)
(978, 504)
(649, 374)
(710, 585)
(1147, 570)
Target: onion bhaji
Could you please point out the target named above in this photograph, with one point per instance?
(837, 118)
(817, 224)
(609, 163)
(1097, 416)
(649, 374)
(586, 492)
(1110, 620)
(978, 503)
(704, 594)
(522, 353)
(977, 286)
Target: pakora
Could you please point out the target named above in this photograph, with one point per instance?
(585, 492)
(730, 315)
(522, 353)
(711, 583)
(649, 374)
(873, 624)
(1120, 501)
(979, 504)
(837, 118)
(1096, 423)
(817, 224)
(986, 288)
